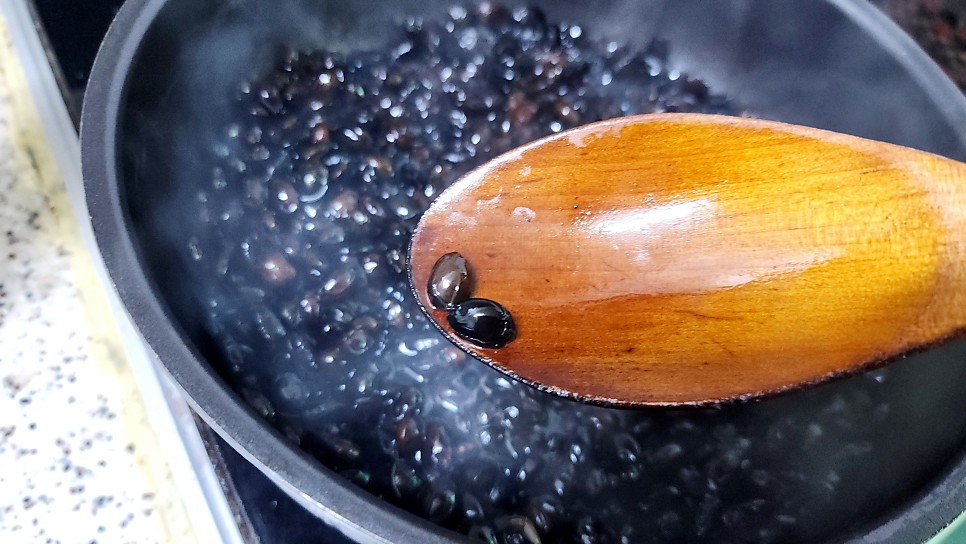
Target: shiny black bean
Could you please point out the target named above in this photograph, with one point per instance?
(275, 269)
(483, 322)
(451, 281)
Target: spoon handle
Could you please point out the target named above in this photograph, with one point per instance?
(943, 183)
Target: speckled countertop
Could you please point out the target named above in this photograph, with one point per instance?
(75, 445)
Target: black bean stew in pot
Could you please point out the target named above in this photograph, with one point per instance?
(298, 259)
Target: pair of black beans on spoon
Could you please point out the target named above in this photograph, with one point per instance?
(482, 321)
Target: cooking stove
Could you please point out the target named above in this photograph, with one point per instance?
(71, 32)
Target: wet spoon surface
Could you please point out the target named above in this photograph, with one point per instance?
(690, 259)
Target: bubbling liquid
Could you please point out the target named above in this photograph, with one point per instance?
(298, 262)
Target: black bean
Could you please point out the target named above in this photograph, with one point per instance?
(337, 281)
(483, 322)
(405, 481)
(407, 435)
(517, 530)
(451, 281)
(275, 269)
(545, 513)
(435, 449)
(438, 502)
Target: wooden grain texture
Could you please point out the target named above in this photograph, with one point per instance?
(688, 259)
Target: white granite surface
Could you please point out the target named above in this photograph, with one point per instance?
(76, 461)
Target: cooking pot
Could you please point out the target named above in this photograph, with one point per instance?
(875, 458)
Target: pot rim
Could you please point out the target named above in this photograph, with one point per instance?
(355, 512)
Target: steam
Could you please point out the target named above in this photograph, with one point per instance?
(781, 59)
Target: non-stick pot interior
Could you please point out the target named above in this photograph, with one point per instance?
(269, 210)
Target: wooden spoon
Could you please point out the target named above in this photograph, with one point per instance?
(690, 259)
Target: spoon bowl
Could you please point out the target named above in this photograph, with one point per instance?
(686, 259)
